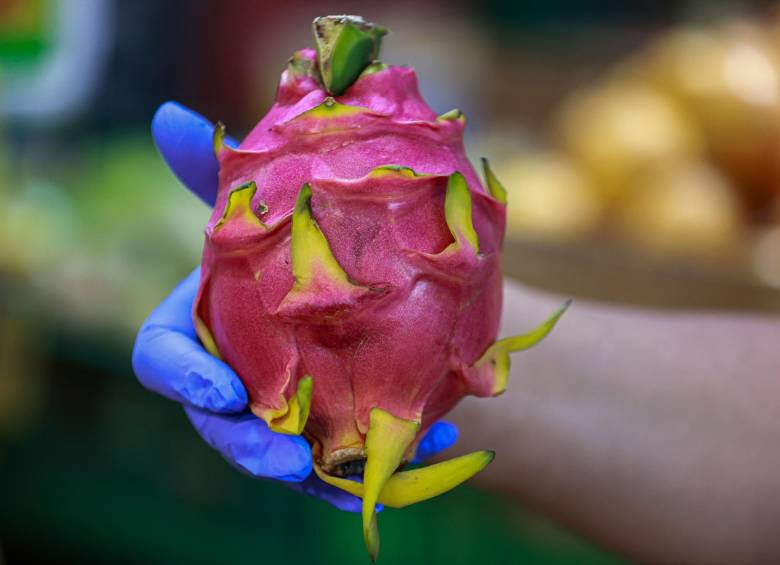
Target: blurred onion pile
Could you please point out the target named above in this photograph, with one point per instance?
(675, 152)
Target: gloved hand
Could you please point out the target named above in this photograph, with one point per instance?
(169, 359)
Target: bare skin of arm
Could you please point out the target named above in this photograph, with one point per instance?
(655, 434)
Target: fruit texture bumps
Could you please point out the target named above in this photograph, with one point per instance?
(351, 271)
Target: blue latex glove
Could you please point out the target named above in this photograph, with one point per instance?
(169, 359)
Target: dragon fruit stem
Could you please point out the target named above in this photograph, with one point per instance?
(345, 46)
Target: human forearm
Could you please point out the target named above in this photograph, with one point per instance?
(657, 434)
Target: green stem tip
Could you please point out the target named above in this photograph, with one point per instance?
(345, 46)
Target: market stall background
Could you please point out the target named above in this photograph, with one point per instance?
(639, 143)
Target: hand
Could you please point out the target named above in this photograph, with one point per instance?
(169, 359)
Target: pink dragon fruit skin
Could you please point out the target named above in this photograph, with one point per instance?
(420, 323)
(352, 267)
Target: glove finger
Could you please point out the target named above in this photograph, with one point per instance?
(168, 358)
(185, 140)
(177, 367)
(439, 437)
(246, 443)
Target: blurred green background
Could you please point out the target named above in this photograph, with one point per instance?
(612, 124)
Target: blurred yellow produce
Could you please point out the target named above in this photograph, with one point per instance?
(620, 129)
(675, 151)
(682, 209)
(549, 198)
(728, 79)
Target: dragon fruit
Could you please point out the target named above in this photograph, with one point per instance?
(351, 271)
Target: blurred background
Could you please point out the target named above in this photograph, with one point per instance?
(639, 142)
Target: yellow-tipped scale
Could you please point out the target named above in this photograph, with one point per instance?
(387, 440)
(315, 269)
(457, 212)
(294, 420)
(311, 253)
(454, 114)
(203, 333)
(330, 108)
(398, 170)
(239, 207)
(409, 487)
(292, 416)
(495, 187)
(498, 353)
(218, 138)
